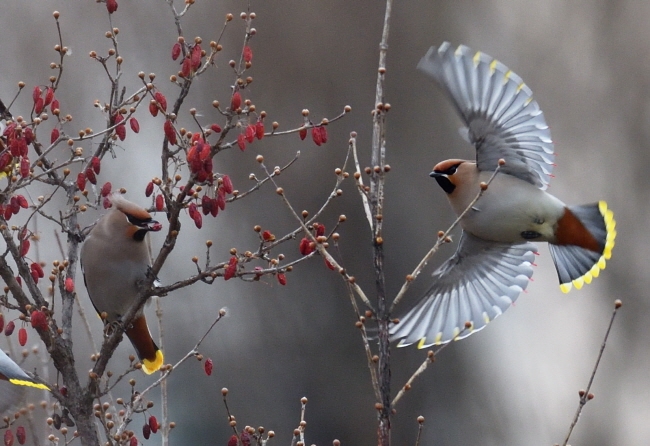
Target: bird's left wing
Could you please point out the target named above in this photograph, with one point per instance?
(503, 120)
(478, 283)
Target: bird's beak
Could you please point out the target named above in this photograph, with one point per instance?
(154, 226)
(435, 174)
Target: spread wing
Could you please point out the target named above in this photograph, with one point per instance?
(503, 120)
(478, 283)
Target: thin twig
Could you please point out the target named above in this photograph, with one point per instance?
(586, 395)
(139, 397)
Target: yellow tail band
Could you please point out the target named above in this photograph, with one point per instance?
(610, 227)
(149, 367)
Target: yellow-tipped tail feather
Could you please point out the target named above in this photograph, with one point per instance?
(610, 227)
(149, 366)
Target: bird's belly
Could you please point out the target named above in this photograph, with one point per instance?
(514, 215)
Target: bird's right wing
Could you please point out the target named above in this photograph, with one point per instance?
(503, 120)
(478, 283)
(15, 375)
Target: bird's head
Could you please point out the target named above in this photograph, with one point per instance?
(445, 174)
(139, 221)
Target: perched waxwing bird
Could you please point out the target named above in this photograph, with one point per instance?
(115, 258)
(493, 262)
(10, 371)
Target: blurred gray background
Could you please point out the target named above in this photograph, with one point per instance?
(517, 381)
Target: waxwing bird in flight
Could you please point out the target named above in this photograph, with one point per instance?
(10, 371)
(493, 262)
(115, 258)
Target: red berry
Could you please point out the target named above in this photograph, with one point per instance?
(38, 319)
(49, 96)
(323, 134)
(2, 322)
(133, 441)
(267, 236)
(39, 106)
(329, 265)
(235, 102)
(120, 130)
(55, 105)
(316, 136)
(135, 125)
(215, 128)
(153, 424)
(81, 181)
(90, 175)
(248, 54)
(106, 189)
(34, 270)
(146, 431)
(259, 129)
(176, 51)
(160, 203)
(306, 246)
(24, 167)
(241, 141)
(208, 366)
(233, 440)
(250, 133)
(22, 201)
(36, 93)
(186, 69)
(170, 133)
(111, 6)
(214, 208)
(227, 184)
(69, 284)
(24, 248)
(54, 135)
(96, 164)
(196, 57)
(28, 134)
(282, 279)
(303, 133)
(162, 100)
(9, 329)
(149, 189)
(9, 438)
(21, 435)
(153, 108)
(231, 269)
(22, 336)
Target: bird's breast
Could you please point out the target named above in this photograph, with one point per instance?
(510, 210)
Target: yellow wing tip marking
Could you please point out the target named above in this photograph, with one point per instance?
(566, 287)
(24, 382)
(493, 66)
(149, 367)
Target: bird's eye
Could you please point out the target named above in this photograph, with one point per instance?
(137, 221)
(452, 170)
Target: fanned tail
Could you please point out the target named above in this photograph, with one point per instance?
(586, 237)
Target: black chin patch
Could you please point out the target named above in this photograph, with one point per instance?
(444, 182)
(530, 235)
(139, 235)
